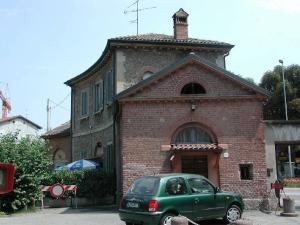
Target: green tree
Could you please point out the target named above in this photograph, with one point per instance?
(30, 157)
(272, 81)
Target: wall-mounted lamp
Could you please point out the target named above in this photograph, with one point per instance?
(193, 106)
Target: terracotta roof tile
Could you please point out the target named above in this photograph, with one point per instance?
(196, 147)
(162, 38)
(62, 130)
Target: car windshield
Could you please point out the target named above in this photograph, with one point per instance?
(144, 186)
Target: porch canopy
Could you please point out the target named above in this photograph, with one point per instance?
(197, 147)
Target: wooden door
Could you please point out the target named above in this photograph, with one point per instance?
(195, 165)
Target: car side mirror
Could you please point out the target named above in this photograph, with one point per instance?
(217, 189)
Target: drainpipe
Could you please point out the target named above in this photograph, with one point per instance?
(225, 55)
(72, 122)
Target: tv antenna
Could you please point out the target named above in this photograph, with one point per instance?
(137, 10)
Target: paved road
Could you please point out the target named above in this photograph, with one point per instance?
(65, 216)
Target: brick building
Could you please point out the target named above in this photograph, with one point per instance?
(157, 104)
(59, 142)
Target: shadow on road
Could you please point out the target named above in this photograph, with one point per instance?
(212, 222)
(99, 210)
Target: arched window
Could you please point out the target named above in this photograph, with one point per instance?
(192, 89)
(147, 74)
(192, 135)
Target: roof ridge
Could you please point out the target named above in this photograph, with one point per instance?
(158, 37)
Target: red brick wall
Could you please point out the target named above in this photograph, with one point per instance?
(60, 143)
(181, 31)
(145, 126)
(214, 84)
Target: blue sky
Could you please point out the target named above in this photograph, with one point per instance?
(44, 43)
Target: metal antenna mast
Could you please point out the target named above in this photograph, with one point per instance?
(137, 10)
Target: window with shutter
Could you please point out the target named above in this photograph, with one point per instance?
(108, 88)
(98, 96)
(84, 103)
(109, 158)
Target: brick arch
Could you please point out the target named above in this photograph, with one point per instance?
(202, 122)
(56, 152)
(194, 124)
(192, 76)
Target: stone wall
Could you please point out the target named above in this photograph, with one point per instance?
(132, 63)
(95, 127)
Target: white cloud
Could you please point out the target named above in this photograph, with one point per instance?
(290, 6)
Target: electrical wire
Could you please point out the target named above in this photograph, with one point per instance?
(60, 103)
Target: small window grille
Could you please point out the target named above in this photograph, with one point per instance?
(192, 135)
(192, 89)
(246, 171)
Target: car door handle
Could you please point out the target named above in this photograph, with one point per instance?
(196, 200)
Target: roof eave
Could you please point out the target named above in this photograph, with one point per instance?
(23, 118)
(81, 76)
(153, 42)
(114, 42)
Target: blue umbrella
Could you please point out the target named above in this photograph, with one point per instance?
(79, 165)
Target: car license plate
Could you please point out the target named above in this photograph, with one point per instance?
(132, 205)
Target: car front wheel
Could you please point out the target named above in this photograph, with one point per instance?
(166, 219)
(233, 213)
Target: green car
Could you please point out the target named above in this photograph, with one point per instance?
(154, 200)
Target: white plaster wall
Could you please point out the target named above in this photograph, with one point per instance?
(278, 133)
(120, 60)
(18, 125)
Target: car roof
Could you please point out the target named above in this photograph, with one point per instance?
(170, 175)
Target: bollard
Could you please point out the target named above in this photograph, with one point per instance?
(179, 220)
(288, 207)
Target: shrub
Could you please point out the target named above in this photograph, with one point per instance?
(29, 155)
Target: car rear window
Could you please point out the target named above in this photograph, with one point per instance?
(144, 186)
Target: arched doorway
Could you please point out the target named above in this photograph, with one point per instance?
(59, 158)
(196, 151)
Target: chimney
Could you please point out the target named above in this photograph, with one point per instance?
(180, 24)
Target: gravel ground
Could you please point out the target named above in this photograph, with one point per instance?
(66, 216)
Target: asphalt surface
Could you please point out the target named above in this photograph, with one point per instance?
(67, 216)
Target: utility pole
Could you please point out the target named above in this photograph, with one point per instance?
(137, 17)
(286, 118)
(137, 10)
(48, 114)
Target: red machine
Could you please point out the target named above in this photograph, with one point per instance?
(6, 107)
(7, 172)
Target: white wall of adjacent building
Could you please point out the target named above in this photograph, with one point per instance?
(23, 127)
(276, 133)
